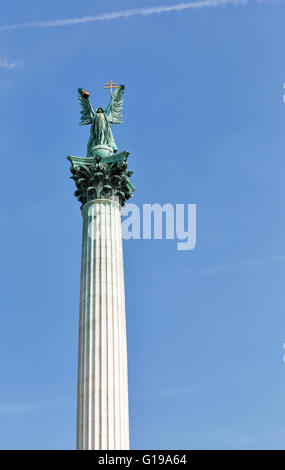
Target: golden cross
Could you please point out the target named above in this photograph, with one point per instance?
(111, 85)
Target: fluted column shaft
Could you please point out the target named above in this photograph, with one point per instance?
(102, 398)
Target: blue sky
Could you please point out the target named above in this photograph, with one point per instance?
(204, 122)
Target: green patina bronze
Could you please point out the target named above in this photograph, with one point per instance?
(103, 173)
(101, 120)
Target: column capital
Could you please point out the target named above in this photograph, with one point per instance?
(102, 178)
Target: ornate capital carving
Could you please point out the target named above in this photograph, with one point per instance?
(102, 178)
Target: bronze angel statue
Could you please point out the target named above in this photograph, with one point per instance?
(101, 120)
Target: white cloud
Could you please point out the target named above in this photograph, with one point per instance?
(30, 407)
(5, 64)
(251, 263)
(147, 11)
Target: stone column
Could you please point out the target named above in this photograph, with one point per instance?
(102, 397)
(102, 403)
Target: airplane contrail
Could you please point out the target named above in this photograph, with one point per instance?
(147, 11)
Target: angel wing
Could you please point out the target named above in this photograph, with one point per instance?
(113, 111)
(87, 112)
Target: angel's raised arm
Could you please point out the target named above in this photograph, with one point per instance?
(113, 111)
(87, 112)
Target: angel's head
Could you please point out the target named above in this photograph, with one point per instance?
(99, 110)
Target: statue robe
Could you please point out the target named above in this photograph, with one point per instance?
(100, 133)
